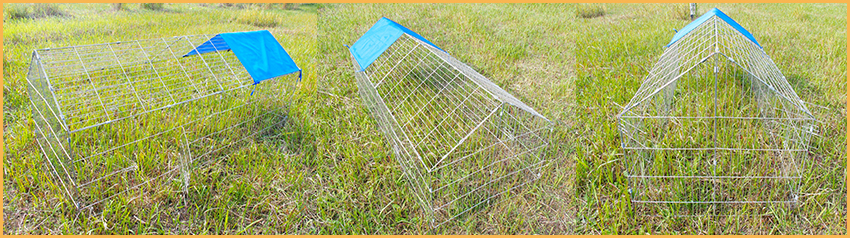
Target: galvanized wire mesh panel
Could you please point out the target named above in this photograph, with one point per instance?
(128, 120)
(714, 129)
(461, 140)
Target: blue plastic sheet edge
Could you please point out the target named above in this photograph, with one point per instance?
(378, 39)
(713, 12)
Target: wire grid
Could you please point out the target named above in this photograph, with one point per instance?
(714, 129)
(461, 140)
(122, 120)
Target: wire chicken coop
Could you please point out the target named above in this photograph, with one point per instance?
(715, 127)
(124, 119)
(461, 140)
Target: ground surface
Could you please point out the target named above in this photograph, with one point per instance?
(807, 42)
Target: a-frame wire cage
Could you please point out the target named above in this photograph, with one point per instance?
(461, 140)
(119, 121)
(715, 128)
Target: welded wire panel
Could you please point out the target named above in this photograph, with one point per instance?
(96, 84)
(125, 121)
(713, 129)
(239, 117)
(49, 128)
(461, 140)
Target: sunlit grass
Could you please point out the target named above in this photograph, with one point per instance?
(255, 190)
(614, 55)
(524, 48)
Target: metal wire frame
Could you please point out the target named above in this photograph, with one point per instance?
(120, 120)
(715, 128)
(461, 140)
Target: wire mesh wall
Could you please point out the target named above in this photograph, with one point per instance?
(461, 140)
(714, 129)
(127, 120)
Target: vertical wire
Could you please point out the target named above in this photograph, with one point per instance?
(50, 88)
(205, 63)
(225, 61)
(56, 172)
(83, 64)
(127, 77)
(158, 76)
(177, 60)
(716, 105)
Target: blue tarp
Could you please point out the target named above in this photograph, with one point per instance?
(216, 43)
(258, 51)
(378, 39)
(705, 17)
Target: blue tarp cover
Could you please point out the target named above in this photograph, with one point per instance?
(378, 39)
(705, 17)
(258, 51)
(214, 44)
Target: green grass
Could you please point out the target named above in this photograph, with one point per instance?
(32, 10)
(590, 10)
(524, 48)
(614, 54)
(152, 6)
(334, 173)
(240, 195)
(259, 19)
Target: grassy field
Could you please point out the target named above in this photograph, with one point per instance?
(334, 172)
(621, 43)
(238, 196)
(524, 48)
